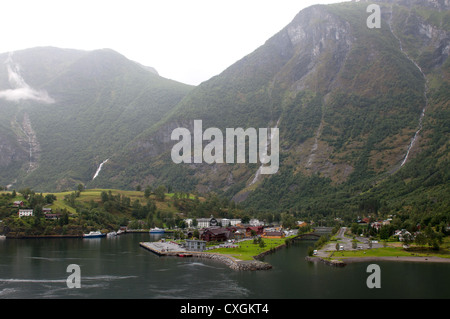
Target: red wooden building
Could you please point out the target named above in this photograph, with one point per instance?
(215, 234)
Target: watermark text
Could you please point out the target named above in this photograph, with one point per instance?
(259, 142)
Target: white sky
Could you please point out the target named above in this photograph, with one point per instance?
(186, 40)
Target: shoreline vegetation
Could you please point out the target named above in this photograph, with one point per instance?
(330, 250)
(343, 261)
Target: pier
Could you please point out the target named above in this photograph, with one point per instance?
(173, 249)
(163, 248)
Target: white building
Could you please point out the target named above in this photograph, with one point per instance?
(25, 212)
(203, 222)
(402, 234)
(256, 222)
(235, 221)
(225, 222)
(206, 222)
(188, 222)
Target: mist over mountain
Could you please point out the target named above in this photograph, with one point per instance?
(363, 115)
(66, 111)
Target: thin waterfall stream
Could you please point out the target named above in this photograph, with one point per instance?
(414, 139)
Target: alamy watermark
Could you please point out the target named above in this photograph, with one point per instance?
(374, 280)
(259, 142)
(374, 20)
(74, 279)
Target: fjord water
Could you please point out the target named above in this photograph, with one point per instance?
(119, 268)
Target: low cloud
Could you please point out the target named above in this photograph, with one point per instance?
(17, 95)
(21, 90)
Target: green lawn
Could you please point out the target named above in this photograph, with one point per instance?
(389, 252)
(247, 249)
(95, 195)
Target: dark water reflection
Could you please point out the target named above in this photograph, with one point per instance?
(119, 268)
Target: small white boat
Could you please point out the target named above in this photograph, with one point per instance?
(94, 234)
(156, 230)
(2, 237)
(111, 234)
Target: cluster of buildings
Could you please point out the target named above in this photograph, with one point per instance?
(212, 229)
(401, 234)
(221, 230)
(27, 212)
(374, 224)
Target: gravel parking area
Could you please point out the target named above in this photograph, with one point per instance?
(346, 244)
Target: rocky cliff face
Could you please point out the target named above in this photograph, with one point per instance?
(314, 33)
(10, 152)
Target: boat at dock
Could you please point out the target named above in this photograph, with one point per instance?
(156, 230)
(94, 234)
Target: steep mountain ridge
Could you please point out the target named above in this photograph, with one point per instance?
(348, 101)
(426, 133)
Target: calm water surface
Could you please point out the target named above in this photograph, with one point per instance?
(119, 268)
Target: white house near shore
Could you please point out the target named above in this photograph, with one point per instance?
(25, 212)
(206, 222)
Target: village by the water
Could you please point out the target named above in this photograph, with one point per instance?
(229, 241)
(226, 235)
(238, 244)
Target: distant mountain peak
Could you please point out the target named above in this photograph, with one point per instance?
(113, 52)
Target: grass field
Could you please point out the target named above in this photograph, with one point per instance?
(88, 195)
(392, 252)
(247, 249)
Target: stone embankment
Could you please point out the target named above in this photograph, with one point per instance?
(235, 264)
(329, 262)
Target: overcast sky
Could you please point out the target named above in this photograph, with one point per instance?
(186, 40)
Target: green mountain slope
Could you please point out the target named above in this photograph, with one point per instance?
(99, 101)
(372, 133)
(348, 100)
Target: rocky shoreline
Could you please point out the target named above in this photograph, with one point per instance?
(329, 262)
(235, 264)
